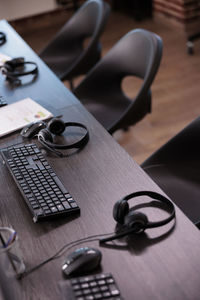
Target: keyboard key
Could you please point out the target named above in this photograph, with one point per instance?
(82, 288)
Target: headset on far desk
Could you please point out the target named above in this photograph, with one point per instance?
(16, 68)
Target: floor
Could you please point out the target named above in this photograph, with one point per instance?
(175, 91)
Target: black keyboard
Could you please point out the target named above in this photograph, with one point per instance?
(2, 101)
(93, 287)
(41, 188)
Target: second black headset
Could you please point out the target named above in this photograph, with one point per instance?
(15, 68)
(55, 126)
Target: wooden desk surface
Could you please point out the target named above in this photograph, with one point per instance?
(161, 264)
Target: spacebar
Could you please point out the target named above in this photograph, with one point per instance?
(60, 185)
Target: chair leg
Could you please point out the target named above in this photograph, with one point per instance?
(75, 5)
(71, 85)
(114, 4)
(149, 106)
(198, 225)
(190, 44)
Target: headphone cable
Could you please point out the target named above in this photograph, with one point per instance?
(63, 249)
(44, 144)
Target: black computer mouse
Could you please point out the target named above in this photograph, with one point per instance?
(32, 129)
(82, 260)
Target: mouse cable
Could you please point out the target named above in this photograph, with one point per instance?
(62, 250)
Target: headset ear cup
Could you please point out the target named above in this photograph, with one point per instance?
(136, 219)
(45, 135)
(56, 126)
(8, 66)
(120, 209)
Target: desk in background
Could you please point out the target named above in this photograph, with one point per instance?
(160, 264)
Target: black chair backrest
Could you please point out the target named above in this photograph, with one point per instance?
(138, 54)
(68, 44)
(175, 168)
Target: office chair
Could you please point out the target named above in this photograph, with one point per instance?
(66, 54)
(175, 167)
(138, 53)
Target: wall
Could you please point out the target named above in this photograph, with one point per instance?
(14, 9)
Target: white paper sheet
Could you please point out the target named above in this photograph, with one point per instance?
(17, 115)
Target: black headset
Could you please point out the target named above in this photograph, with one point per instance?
(2, 38)
(135, 221)
(14, 68)
(55, 126)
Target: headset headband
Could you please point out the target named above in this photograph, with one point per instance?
(10, 68)
(79, 144)
(158, 197)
